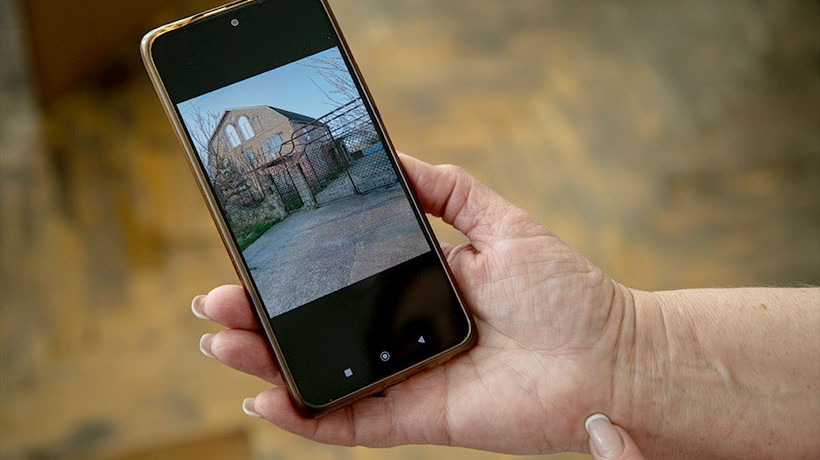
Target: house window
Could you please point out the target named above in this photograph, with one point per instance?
(307, 133)
(233, 138)
(245, 127)
(248, 154)
(273, 145)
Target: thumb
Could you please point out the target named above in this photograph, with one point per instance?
(610, 442)
(461, 200)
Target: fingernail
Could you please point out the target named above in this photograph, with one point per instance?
(606, 439)
(248, 406)
(205, 345)
(196, 307)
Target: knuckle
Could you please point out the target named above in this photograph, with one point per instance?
(452, 169)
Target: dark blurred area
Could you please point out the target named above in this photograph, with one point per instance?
(675, 144)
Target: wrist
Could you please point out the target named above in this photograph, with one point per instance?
(637, 395)
(701, 372)
(660, 376)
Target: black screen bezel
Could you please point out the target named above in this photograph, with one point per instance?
(204, 56)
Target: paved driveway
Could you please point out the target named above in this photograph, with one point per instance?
(313, 253)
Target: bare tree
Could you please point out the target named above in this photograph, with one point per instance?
(344, 98)
(203, 130)
(230, 174)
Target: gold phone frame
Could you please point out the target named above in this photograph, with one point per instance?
(304, 407)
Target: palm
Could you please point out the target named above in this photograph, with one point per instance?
(543, 315)
(532, 360)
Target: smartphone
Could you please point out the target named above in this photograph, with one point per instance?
(336, 256)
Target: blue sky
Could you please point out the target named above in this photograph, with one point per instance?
(295, 87)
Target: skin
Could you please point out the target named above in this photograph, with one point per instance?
(724, 373)
(560, 340)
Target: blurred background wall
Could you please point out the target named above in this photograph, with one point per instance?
(675, 144)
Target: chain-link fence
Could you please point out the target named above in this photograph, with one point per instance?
(343, 155)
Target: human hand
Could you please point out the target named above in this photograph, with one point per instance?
(549, 327)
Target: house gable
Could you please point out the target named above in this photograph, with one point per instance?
(251, 113)
(266, 123)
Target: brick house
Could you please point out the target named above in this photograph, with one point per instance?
(257, 143)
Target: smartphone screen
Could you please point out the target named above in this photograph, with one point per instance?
(303, 180)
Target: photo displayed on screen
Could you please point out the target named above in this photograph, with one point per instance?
(304, 180)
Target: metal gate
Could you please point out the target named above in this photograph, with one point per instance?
(284, 186)
(369, 168)
(327, 170)
(343, 154)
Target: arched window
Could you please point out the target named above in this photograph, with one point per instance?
(245, 127)
(233, 138)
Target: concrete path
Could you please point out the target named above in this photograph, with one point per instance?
(313, 253)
